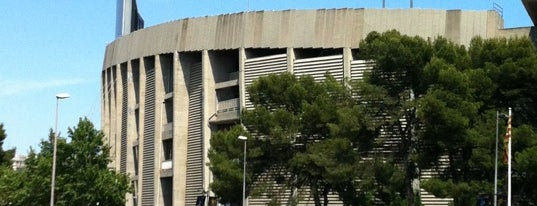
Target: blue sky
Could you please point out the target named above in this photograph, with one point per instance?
(48, 47)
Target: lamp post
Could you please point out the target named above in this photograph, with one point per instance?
(53, 178)
(244, 203)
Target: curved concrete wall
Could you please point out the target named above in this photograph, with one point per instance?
(325, 28)
(172, 85)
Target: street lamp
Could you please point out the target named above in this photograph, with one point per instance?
(53, 179)
(244, 203)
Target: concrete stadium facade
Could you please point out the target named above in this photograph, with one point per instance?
(166, 88)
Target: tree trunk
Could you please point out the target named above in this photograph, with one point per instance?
(315, 193)
(409, 177)
(410, 144)
(325, 195)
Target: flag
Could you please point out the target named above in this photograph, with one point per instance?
(506, 140)
(508, 155)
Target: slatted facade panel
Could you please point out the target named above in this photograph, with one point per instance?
(194, 170)
(317, 67)
(124, 113)
(390, 141)
(267, 189)
(148, 171)
(272, 190)
(359, 68)
(426, 174)
(262, 66)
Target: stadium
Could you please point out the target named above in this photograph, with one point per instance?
(166, 88)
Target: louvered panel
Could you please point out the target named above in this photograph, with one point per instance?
(317, 67)
(426, 174)
(390, 141)
(426, 197)
(262, 62)
(194, 171)
(124, 113)
(265, 59)
(359, 68)
(148, 172)
(262, 66)
(271, 189)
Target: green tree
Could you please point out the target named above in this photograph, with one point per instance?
(5, 155)
(307, 134)
(441, 98)
(82, 173)
(526, 165)
(438, 99)
(461, 102)
(226, 155)
(7, 180)
(511, 64)
(301, 118)
(392, 86)
(448, 112)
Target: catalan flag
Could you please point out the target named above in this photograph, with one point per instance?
(507, 156)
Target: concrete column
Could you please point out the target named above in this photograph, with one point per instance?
(112, 118)
(242, 89)
(118, 114)
(209, 109)
(494, 24)
(453, 25)
(290, 60)
(347, 59)
(180, 130)
(104, 106)
(131, 126)
(141, 126)
(159, 99)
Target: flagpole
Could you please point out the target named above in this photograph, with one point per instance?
(496, 162)
(509, 159)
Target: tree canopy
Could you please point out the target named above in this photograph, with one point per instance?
(304, 134)
(454, 93)
(82, 173)
(5, 155)
(437, 100)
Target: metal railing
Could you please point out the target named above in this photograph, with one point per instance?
(228, 105)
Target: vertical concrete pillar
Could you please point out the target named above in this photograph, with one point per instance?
(180, 130)
(159, 99)
(141, 127)
(242, 89)
(209, 109)
(104, 106)
(453, 25)
(112, 116)
(290, 60)
(131, 126)
(118, 114)
(494, 24)
(347, 59)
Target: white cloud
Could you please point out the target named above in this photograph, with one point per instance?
(14, 87)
